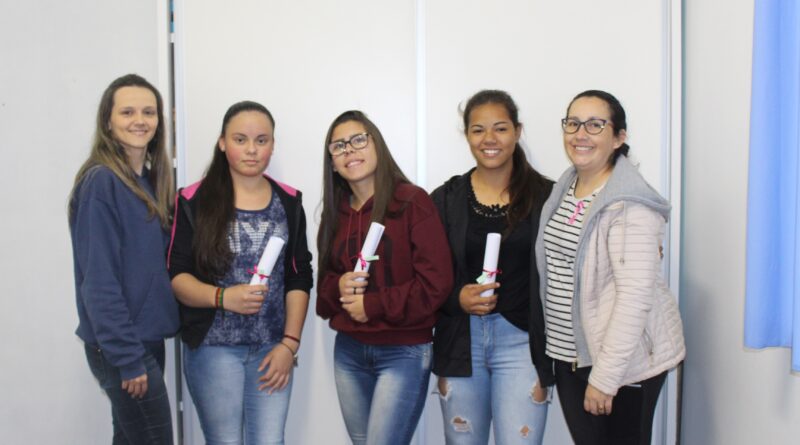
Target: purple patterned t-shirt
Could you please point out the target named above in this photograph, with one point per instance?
(247, 237)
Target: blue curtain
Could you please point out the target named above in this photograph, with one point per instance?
(772, 304)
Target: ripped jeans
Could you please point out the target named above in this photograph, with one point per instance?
(500, 389)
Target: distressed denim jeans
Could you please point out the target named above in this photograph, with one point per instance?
(499, 394)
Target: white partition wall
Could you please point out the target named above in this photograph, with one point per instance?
(288, 55)
(306, 61)
(543, 53)
(57, 58)
(410, 65)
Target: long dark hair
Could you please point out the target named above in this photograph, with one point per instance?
(107, 152)
(618, 120)
(525, 184)
(336, 188)
(215, 204)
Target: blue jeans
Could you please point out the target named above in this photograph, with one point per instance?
(223, 382)
(136, 421)
(381, 389)
(500, 389)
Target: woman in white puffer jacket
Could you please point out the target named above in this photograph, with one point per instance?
(613, 328)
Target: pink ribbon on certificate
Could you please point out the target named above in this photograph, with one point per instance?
(487, 274)
(363, 260)
(255, 271)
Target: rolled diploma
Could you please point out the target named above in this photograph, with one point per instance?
(268, 259)
(490, 258)
(370, 246)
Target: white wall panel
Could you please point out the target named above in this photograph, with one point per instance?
(57, 58)
(731, 395)
(307, 62)
(543, 53)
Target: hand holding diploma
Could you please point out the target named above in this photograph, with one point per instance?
(479, 299)
(246, 299)
(367, 254)
(472, 302)
(490, 257)
(353, 285)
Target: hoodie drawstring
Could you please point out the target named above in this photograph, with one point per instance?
(359, 237)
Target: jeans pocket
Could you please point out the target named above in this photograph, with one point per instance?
(97, 363)
(417, 351)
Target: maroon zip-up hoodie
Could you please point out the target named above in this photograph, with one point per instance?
(409, 282)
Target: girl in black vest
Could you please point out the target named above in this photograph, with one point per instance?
(240, 340)
(485, 348)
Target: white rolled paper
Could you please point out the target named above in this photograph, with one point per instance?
(490, 257)
(369, 247)
(268, 259)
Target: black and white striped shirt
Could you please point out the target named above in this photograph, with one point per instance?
(560, 241)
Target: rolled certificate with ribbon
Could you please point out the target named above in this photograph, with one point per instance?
(490, 257)
(367, 253)
(268, 258)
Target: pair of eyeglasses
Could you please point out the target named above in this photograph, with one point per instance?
(592, 126)
(357, 141)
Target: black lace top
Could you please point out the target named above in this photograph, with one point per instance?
(515, 256)
(491, 211)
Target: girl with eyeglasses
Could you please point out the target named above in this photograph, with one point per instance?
(384, 318)
(489, 351)
(240, 340)
(613, 328)
(119, 216)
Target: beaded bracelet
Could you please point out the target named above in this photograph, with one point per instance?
(222, 299)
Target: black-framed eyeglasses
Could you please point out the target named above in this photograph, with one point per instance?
(593, 126)
(357, 141)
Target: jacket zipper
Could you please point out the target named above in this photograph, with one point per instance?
(295, 230)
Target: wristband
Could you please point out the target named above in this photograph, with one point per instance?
(291, 337)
